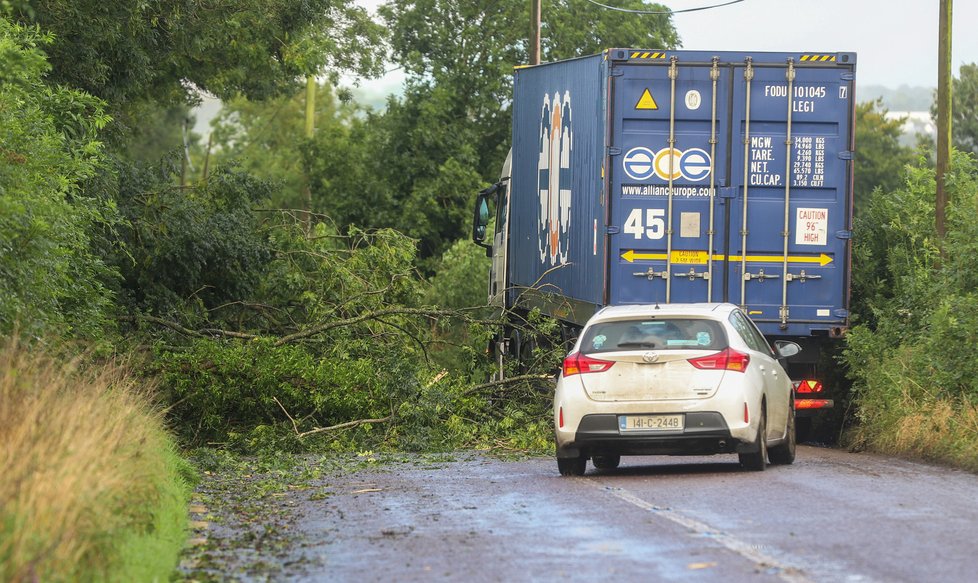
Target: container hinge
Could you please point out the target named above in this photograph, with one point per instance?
(617, 72)
(651, 274)
(801, 276)
(843, 234)
(692, 274)
(612, 230)
(841, 313)
(759, 276)
(847, 76)
(845, 155)
(614, 151)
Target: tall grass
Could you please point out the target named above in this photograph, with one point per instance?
(91, 488)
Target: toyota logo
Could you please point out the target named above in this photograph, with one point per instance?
(650, 357)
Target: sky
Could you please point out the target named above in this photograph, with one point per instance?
(895, 40)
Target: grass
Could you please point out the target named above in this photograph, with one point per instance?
(91, 487)
(901, 416)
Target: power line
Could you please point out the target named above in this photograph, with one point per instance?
(664, 12)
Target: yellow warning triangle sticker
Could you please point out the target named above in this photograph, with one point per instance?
(646, 101)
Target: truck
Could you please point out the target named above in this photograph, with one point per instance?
(679, 176)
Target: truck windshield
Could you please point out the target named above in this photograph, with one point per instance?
(658, 334)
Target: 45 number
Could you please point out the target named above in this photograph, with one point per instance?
(653, 228)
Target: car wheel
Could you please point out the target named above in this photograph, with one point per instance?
(757, 460)
(784, 453)
(606, 462)
(572, 466)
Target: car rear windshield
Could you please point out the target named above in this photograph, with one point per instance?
(658, 334)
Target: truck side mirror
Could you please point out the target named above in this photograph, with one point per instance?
(787, 348)
(480, 222)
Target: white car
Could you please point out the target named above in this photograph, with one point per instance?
(673, 379)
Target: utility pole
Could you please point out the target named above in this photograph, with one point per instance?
(535, 32)
(943, 118)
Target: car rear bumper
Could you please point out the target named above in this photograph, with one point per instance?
(705, 433)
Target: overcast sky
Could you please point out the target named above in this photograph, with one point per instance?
(895, 40)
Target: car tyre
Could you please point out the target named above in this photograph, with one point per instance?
(756, 461)
(572, 466)
(784, 453)
(606, 462)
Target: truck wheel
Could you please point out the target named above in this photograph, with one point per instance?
(572, 466)
(784, 453)
(606, 462)
(757, 460)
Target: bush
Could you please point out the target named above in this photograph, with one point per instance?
(915, 348)
(51, 281)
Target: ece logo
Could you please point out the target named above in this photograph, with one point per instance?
(641, 163)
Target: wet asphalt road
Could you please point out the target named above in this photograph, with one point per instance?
(832, 516)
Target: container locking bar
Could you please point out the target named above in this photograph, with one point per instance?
(708, 277)
(673, 75)
(692, 274)
(801, 277)
(760, 276)
(788, 142)
(748, 77)
(651, 274)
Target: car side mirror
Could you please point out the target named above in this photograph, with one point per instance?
(787, 348)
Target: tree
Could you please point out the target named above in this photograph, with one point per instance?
(880, 159)
(964, 111)
(51, 281)
(449, 133)
(127, 49)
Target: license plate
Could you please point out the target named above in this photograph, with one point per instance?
(650, 422)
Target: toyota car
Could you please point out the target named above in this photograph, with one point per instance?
(673, 379)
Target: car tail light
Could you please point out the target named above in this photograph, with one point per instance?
(810, 386)
(728, 359)
(578, 363)
(560, 421)
(814, 404)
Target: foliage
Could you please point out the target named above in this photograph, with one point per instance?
(915, 347)
(267, 139)
(880, 160)
(130, 49)
(964, 109)
(51, 280)
(188, 248)
(92, 488)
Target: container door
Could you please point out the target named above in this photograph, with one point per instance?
(668, 164)
(789, 234)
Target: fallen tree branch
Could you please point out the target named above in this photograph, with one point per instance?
(509, 381)
(347, 425)
(362, 318)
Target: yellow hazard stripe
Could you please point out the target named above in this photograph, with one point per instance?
(648, 55)
(819, 58)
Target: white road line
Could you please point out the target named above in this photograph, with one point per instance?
(785, 572)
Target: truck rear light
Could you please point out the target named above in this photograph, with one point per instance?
(728, 359)
(578, 363)
(813, 404)
(809, 386)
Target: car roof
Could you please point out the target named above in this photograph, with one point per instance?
(708, 310)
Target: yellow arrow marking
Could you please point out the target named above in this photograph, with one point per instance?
(700, 257)
(646, 101)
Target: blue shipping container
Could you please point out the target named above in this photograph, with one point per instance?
(685, 176)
